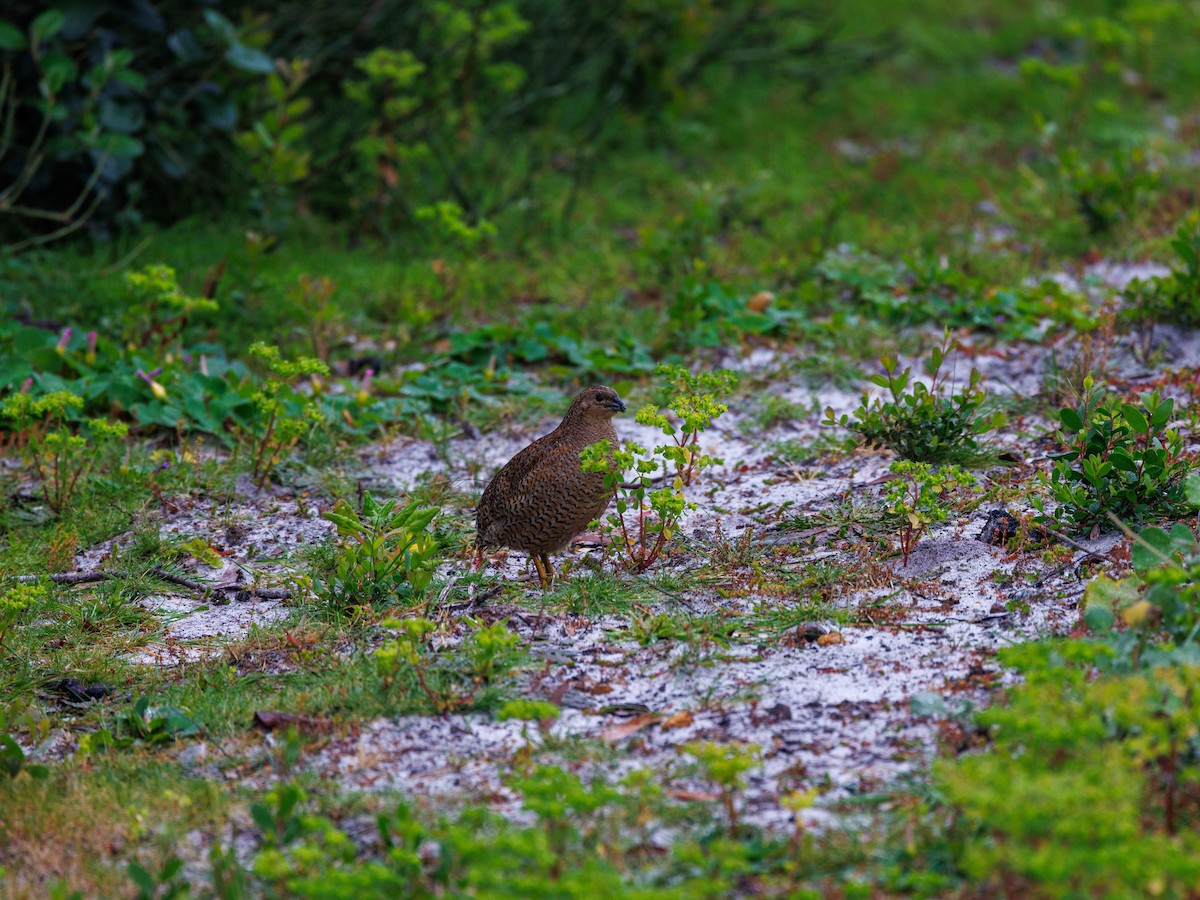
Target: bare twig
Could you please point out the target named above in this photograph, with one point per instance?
(1059, 536)
(201, 587)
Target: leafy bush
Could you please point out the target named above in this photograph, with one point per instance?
(383, 553)
(445, 113)
(711, 315)
(450, 677)
(1090, 785)
(1152, 616)
(646, 518)
(919, 496)
(1172, 299)
(1121, 460)
(585, 839)
(117, 111)
(724, 764)
(59, 457)
(921, 423)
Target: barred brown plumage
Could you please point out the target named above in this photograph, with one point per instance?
(542, 497)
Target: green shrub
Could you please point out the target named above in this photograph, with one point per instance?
(645, 517)
(159, 311)
(383, 554)
(1121, 460)
(1172, 299)
(115, 111)
(919, 496)
(425, 115)
(1089, 787)
(1151, 617)
(921, 423)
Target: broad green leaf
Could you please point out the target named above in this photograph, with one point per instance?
(47, 25)
(1163, 412)
(57, 70)
(11, 37)
(1151, 546)
(249, 60)
(1070, 419)
(1191, 488)
(1098, 619)
(1136, 420)
(1123, 461)
(12, 757)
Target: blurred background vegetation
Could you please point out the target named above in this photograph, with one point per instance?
(623, 174)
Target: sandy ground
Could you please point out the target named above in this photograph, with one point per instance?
(832, 713)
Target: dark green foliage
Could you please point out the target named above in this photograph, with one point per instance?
(1172, 299)
(383, 554)
(922, 423)
(436, 115)
(1151, 617)
(116, 106)
(1122, 460)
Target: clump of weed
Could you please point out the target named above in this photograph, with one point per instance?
(646, 518)
(159, 310)
(1088, 357)
(921, 423)
(1120, 460)
(383, 553)
(450, 677)
(59, 456)
(918, 497)
(14, 601)
(724, 765)
(1173, 298)
(284, 414)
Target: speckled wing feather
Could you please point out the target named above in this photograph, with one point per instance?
(525, 486)
(542, 497)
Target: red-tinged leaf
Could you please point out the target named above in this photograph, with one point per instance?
(622, 730)
(693, 795)
(277, 721)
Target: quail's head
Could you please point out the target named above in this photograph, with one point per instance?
(600, 402)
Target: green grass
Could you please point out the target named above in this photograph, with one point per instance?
(749, 187)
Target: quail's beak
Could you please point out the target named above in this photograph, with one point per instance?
(615, 405)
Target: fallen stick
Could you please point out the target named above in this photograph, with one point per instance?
(202, 587)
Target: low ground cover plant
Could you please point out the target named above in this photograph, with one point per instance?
(382, 555)
(919, 422)
(646, 518)
(450, 676)
(920, 496)
(1121, 460)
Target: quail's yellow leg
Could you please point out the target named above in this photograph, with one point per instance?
(545, 569)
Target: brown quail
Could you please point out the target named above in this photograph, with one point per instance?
(542, 497)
